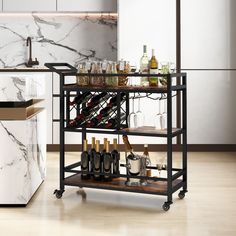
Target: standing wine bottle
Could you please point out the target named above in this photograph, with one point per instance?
(144, 63)
(92, 154)
(107, 163)
(97, 162)
(145, 160)
(153, 65)
(116, 158)
(85, 161)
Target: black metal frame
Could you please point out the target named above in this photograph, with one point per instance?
(181, 87)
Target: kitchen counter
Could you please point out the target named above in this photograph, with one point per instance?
(25, 69)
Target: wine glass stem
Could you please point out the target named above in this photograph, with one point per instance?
(139, 104)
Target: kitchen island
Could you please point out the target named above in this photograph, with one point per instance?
(22, 134)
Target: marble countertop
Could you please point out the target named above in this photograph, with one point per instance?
(25, 69)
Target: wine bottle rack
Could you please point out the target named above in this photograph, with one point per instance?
(118, 113)
(176, 177)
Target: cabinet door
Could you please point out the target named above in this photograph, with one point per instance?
(29, 5)
(88, 5)
(208, 34)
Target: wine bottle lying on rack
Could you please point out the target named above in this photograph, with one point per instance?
(81, 98)
(97, 99)
(113, 101)
(113, 121)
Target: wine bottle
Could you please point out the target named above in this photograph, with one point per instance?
(145, 160)
(85, 161)
(81, 98)
(144, 63)
(97, 99)
(111, 123)
(97, 162)
(107, 163)
(92, 154)
(153, 65)
(113, 101)
(115, 157)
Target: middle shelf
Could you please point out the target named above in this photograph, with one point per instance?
(141, 131)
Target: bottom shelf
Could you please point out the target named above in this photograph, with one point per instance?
(118, 184)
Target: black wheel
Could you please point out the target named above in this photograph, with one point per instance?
(58, 193)
(181, 195)
(166, 206)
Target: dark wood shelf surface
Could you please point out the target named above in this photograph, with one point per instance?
(142, 131)
(118, 184)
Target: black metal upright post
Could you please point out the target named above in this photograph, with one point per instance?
(184, 126)
(62, 133)
(169, 139)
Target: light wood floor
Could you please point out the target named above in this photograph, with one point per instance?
(208, 209)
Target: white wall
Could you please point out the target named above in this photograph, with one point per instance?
(208, 42)
(150, 22)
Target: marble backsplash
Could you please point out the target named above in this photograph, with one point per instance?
(57, 38)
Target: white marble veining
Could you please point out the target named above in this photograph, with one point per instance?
(23, 158)
(21, 87)
(57, 38)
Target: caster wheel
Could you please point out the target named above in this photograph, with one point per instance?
(166, 206)
(58, 193)
(181, 195)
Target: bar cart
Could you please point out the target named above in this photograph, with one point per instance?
(176, 177)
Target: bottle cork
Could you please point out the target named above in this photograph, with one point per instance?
(93, 142)
(104, 143)
(97, 145)
(85, 145)
(115, 144)
(108, 146)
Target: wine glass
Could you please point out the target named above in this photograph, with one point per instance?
(164, 116)
(159, 168)
(158, 116)
(139, 117)
(131, 118)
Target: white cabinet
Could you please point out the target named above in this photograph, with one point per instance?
(29, 5)
(211, 102)
(87, 5)
(208, 34)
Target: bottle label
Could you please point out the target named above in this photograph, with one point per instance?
(153, 71)
(122, 65)
(88, 65)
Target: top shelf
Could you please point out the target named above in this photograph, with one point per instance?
(66, 69)
(131, 89)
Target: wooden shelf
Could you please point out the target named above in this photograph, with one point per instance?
(148, 131)
(118, 184)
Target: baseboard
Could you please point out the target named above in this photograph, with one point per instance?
(156, 148)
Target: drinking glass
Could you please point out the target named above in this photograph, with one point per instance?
(131, 118)
(158, 116)
(139, 116)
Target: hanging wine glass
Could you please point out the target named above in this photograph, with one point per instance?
(139, 116)
(157, 119)
(164, 116)
(131, 117)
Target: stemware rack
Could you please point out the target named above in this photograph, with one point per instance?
(176, 177)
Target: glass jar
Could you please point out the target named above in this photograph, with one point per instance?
(97, 80)
(112, 81)
(82, 80)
